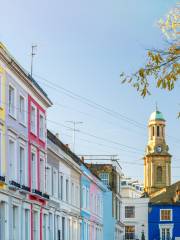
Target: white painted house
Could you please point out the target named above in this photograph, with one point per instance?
(134, 210)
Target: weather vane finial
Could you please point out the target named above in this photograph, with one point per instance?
(156, 107)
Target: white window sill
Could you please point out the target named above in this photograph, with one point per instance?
(23, 124)
(12, 116)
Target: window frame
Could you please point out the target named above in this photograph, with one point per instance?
(49, 179)
(24, 123)
(132, 232)
(126, 213)
(41, 114)
(13, 174)
(33, 131)
(22, 144)
(34, 151)
(104, 176)
(55, 182)
(42, 181)
(13, 115)
(171, 215)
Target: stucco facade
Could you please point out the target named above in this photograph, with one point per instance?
(63, 186)
(92, 191)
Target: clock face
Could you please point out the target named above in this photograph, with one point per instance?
(159, 149)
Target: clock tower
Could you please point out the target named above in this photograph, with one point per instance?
(157, 161)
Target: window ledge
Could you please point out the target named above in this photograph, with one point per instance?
(23, 124)
(12, 116)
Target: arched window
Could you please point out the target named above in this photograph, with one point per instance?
(159, 174)
(153, 131)
(157, 131)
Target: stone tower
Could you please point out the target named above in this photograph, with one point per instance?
(157, 161)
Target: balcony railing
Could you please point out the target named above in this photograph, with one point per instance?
(37, 192)
(25, 188)
(2, 179)
(14, 184)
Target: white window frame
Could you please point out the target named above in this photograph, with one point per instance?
(37, 225)
(13, 166)
(49, 179)
(67, 187)
(25, 224)
(171, 215)
(34, 131)
(22, 144)
(104, 176)
(83, 197)
(167, 226)
(132, 207)
(72, 193)
(45, 226)
(4, 206)
(41, 114)
(24, 123)
(61, 187)
(1, 90)
(55, 183)
(51, 226)
(14, 105)
(42, 181)
(17, 221)
(34, 151)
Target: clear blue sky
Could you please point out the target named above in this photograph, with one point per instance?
(83, 46)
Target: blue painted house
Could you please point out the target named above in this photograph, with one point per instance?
(164, 214)
(92, 190)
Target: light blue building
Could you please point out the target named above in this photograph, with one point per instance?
(92, 190)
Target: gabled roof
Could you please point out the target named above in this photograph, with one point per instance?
(167, 195)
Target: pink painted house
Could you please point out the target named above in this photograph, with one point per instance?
(37, 155)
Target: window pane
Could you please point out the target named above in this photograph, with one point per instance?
(22, 109)
(129, 212)
(11, 100)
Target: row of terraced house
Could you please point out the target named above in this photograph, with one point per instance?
(46, 191)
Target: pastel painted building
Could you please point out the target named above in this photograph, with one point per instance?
(62, 218)
(164, 213)
(134, 210)
(110, 174)
(20, 206)
(92, 190)
(2, 127)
